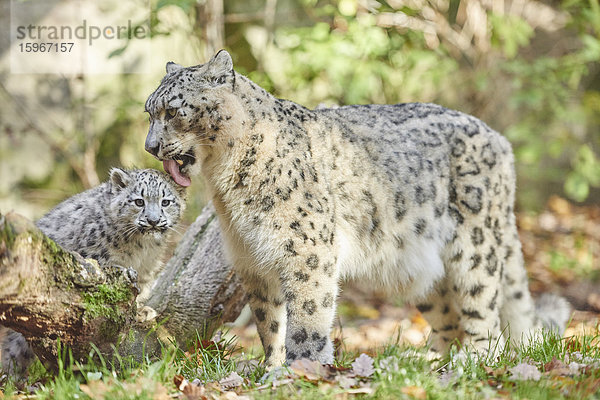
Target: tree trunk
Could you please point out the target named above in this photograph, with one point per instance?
(210, 22)
(47, 293)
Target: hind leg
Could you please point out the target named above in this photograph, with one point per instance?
(475, 289)
(438, 309)
(518, 311)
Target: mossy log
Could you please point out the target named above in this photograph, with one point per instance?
(48, 293)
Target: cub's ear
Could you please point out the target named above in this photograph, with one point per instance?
(172, 67)
(220, 64)
(119, 178)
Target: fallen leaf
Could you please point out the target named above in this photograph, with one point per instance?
(494, 372)
(559, 206)
(281, 382)
(233, 396)
(363, 366)
(446, 378)
(361, 390)
(524, 372)
(191, 391)
(557, 368)
(415, 392)
(311, 370)
(194, 392)
(111, 388)
(346, 382)
(178, 380)
(231, 381)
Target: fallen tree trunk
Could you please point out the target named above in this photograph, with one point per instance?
(47, 293)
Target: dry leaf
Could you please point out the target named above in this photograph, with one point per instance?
(559, 206)
(345, 381)
(231, 381)
(557, 368)
(233, 396)
(361, 390)
(191, 391)
(107, 390)
(494, 372)
(525, 372)
(311, 370)
(415, 392)
(179, 380)
(194, 392)
(363, 366)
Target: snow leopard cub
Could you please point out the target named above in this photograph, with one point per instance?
(125, 221)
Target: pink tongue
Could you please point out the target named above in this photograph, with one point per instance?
(173, 169)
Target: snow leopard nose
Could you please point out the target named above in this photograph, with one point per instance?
(152, 215)
(152, 145)
(153, 221)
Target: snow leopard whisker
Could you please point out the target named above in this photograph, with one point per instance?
(179, 232)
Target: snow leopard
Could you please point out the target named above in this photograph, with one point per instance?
(125, 221)
(413, 197)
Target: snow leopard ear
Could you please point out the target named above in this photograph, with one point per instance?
(220, 64)
(119, 178)
(172, 67)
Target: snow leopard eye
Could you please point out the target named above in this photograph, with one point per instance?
(139, 202)
(165, 203)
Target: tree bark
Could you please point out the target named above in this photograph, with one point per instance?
(47, 293)
(210, 22)
(197, 288)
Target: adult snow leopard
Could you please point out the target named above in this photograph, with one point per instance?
(414, 197)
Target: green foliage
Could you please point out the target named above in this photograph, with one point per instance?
(357, 64)
(510, 33)
(553, 126)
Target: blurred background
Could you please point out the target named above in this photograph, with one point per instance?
(528, 68)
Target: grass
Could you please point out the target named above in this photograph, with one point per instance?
(400, 372)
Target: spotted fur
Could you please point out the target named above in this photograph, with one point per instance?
(413, 197)
(125, 221)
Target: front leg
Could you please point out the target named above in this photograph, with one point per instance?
(310, 286)
(268, 308)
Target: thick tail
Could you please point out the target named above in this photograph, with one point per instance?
(553, 312)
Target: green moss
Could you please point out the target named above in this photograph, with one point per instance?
(55, 256)
(7, 233)
(103, 302)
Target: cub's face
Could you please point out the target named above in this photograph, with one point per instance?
(187, 111)
(147, 200)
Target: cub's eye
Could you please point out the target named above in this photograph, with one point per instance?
(171, 112)
(139, 202)
(165, 203)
